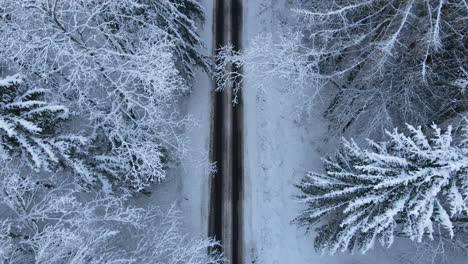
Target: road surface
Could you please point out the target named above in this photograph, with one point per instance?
(225, 221)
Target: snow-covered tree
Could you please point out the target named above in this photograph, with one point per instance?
(179, 19)
(268, 59)
(30, 131)
(119, 67)
(388, 62)
(392, 61)
(49, 219)
(27, 124)
(412, 185)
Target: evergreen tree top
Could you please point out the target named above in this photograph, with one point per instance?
(411, 180)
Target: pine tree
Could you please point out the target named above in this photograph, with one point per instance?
(408, 184)
(28, 131)
(27, 123)
(180, 18)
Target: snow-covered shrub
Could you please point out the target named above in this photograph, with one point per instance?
(408, 184)
(115, 65)
(50, 219)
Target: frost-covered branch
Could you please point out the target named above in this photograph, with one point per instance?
(268, 59)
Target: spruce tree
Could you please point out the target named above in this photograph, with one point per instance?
(27, 123)
(408, 184)
(180, 18)
(29, 127)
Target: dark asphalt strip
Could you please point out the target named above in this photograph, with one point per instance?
(226, 146)
(237, 149)
(215, 229)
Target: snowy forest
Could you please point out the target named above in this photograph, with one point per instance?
(234, 131)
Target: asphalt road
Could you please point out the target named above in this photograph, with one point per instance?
(225, 221)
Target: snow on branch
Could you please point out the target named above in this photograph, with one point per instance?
(27, 123)
(269, 59)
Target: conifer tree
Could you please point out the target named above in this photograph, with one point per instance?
(27, 123)
(28, 131)
(408, 184)
(179, 18)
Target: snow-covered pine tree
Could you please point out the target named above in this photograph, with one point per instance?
(28, 131)
(179, 18)
(408, 184)
(27, 123)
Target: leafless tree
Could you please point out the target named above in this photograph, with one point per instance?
(118, 66)
(50, 219)
(390, 62)
(393, 62)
